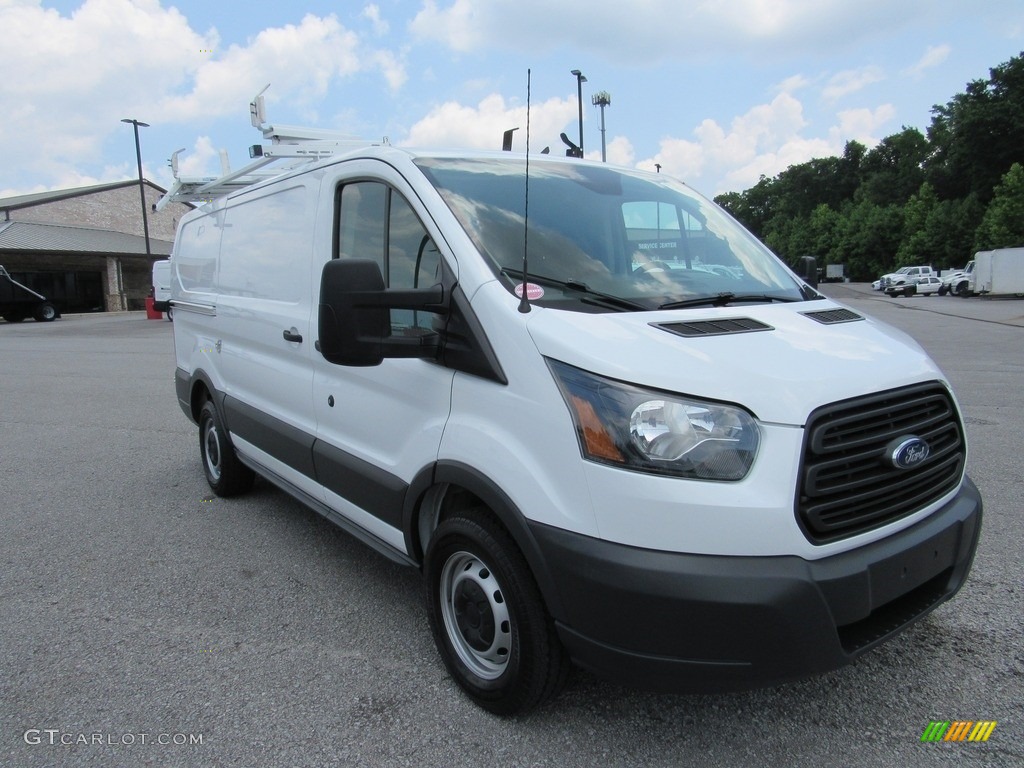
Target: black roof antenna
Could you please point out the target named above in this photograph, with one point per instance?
(524, 303)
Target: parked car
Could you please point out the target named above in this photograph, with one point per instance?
(925, 286)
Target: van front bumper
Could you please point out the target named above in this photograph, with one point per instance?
(700, 623)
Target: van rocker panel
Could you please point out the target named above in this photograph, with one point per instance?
(703, 623)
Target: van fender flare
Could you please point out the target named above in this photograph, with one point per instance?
(423, 505)
(187, 384)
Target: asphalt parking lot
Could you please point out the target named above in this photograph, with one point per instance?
(147, 622)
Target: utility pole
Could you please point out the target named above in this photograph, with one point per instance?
(142, 188)
(580, 80)
(602, 99)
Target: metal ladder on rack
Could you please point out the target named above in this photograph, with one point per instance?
(285, 147)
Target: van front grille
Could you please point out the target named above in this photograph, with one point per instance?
(847, 483)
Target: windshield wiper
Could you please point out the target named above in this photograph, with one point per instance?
(724, 299)
(590, 296)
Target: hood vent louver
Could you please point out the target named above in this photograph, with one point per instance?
(832, 316)
(723, 327)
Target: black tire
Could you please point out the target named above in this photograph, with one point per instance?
(14, 318)
(45, 312)
(488, 619)
(226, 475)
(961, 290)
(908, 291)
(943, 290)
(170, 314)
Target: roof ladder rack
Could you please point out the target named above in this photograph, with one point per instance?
(286, 147)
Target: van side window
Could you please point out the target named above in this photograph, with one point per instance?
(362, 222)
(376, 222)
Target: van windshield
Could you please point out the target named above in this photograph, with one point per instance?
(603, 239)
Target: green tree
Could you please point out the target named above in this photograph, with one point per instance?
(917, 245)
(894, 169)
(979, 134)
(952, 224)
(867, 238)
(1003, 223)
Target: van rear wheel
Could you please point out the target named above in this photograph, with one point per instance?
(226, 475)
(488, 618)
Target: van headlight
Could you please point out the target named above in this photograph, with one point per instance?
(651, 431)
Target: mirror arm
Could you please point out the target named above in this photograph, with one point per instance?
(425, 299)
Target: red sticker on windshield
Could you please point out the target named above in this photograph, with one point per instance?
(533, 291)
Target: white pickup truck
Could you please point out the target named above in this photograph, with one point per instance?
(904, 276)
(957, 280)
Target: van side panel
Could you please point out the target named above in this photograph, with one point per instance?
(264, 320)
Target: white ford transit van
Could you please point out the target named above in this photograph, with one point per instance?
(648, 448)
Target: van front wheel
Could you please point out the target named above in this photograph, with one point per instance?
(226, 475)
(488, 618)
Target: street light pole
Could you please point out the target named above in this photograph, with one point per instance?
(602, 99)
(580, 80)
(142, 188)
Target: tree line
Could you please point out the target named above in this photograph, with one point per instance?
(915, 198)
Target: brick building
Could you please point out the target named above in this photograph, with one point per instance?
(84, 248)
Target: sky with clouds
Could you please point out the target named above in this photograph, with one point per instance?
(717, 93)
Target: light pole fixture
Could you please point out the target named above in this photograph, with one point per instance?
(602, 99)
(580, 80)
(142, 188)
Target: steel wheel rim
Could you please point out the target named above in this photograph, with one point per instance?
(476, 616)
(211, 451)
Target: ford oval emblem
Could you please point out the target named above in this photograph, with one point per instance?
(907, 452)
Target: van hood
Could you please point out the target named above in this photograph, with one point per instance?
(780, 361)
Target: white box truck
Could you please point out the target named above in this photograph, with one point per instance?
(998, 272)
(608, 425)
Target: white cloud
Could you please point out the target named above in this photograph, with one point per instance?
(372, 13)
(660, 29)
(935, 55)
(851, 81)
(861, 125)
(618, 150)
(456, 125)
(792, 83)
(459, 26)
(203, 160)
(74, 77)
(765, 140)
(391, 66)
(299, 60)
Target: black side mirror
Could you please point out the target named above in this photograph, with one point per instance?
(355, 317)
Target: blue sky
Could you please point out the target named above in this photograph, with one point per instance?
(717, 93)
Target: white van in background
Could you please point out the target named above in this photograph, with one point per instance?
(162, 287)
(611, 429)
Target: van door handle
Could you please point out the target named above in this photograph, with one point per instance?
(292, 335)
